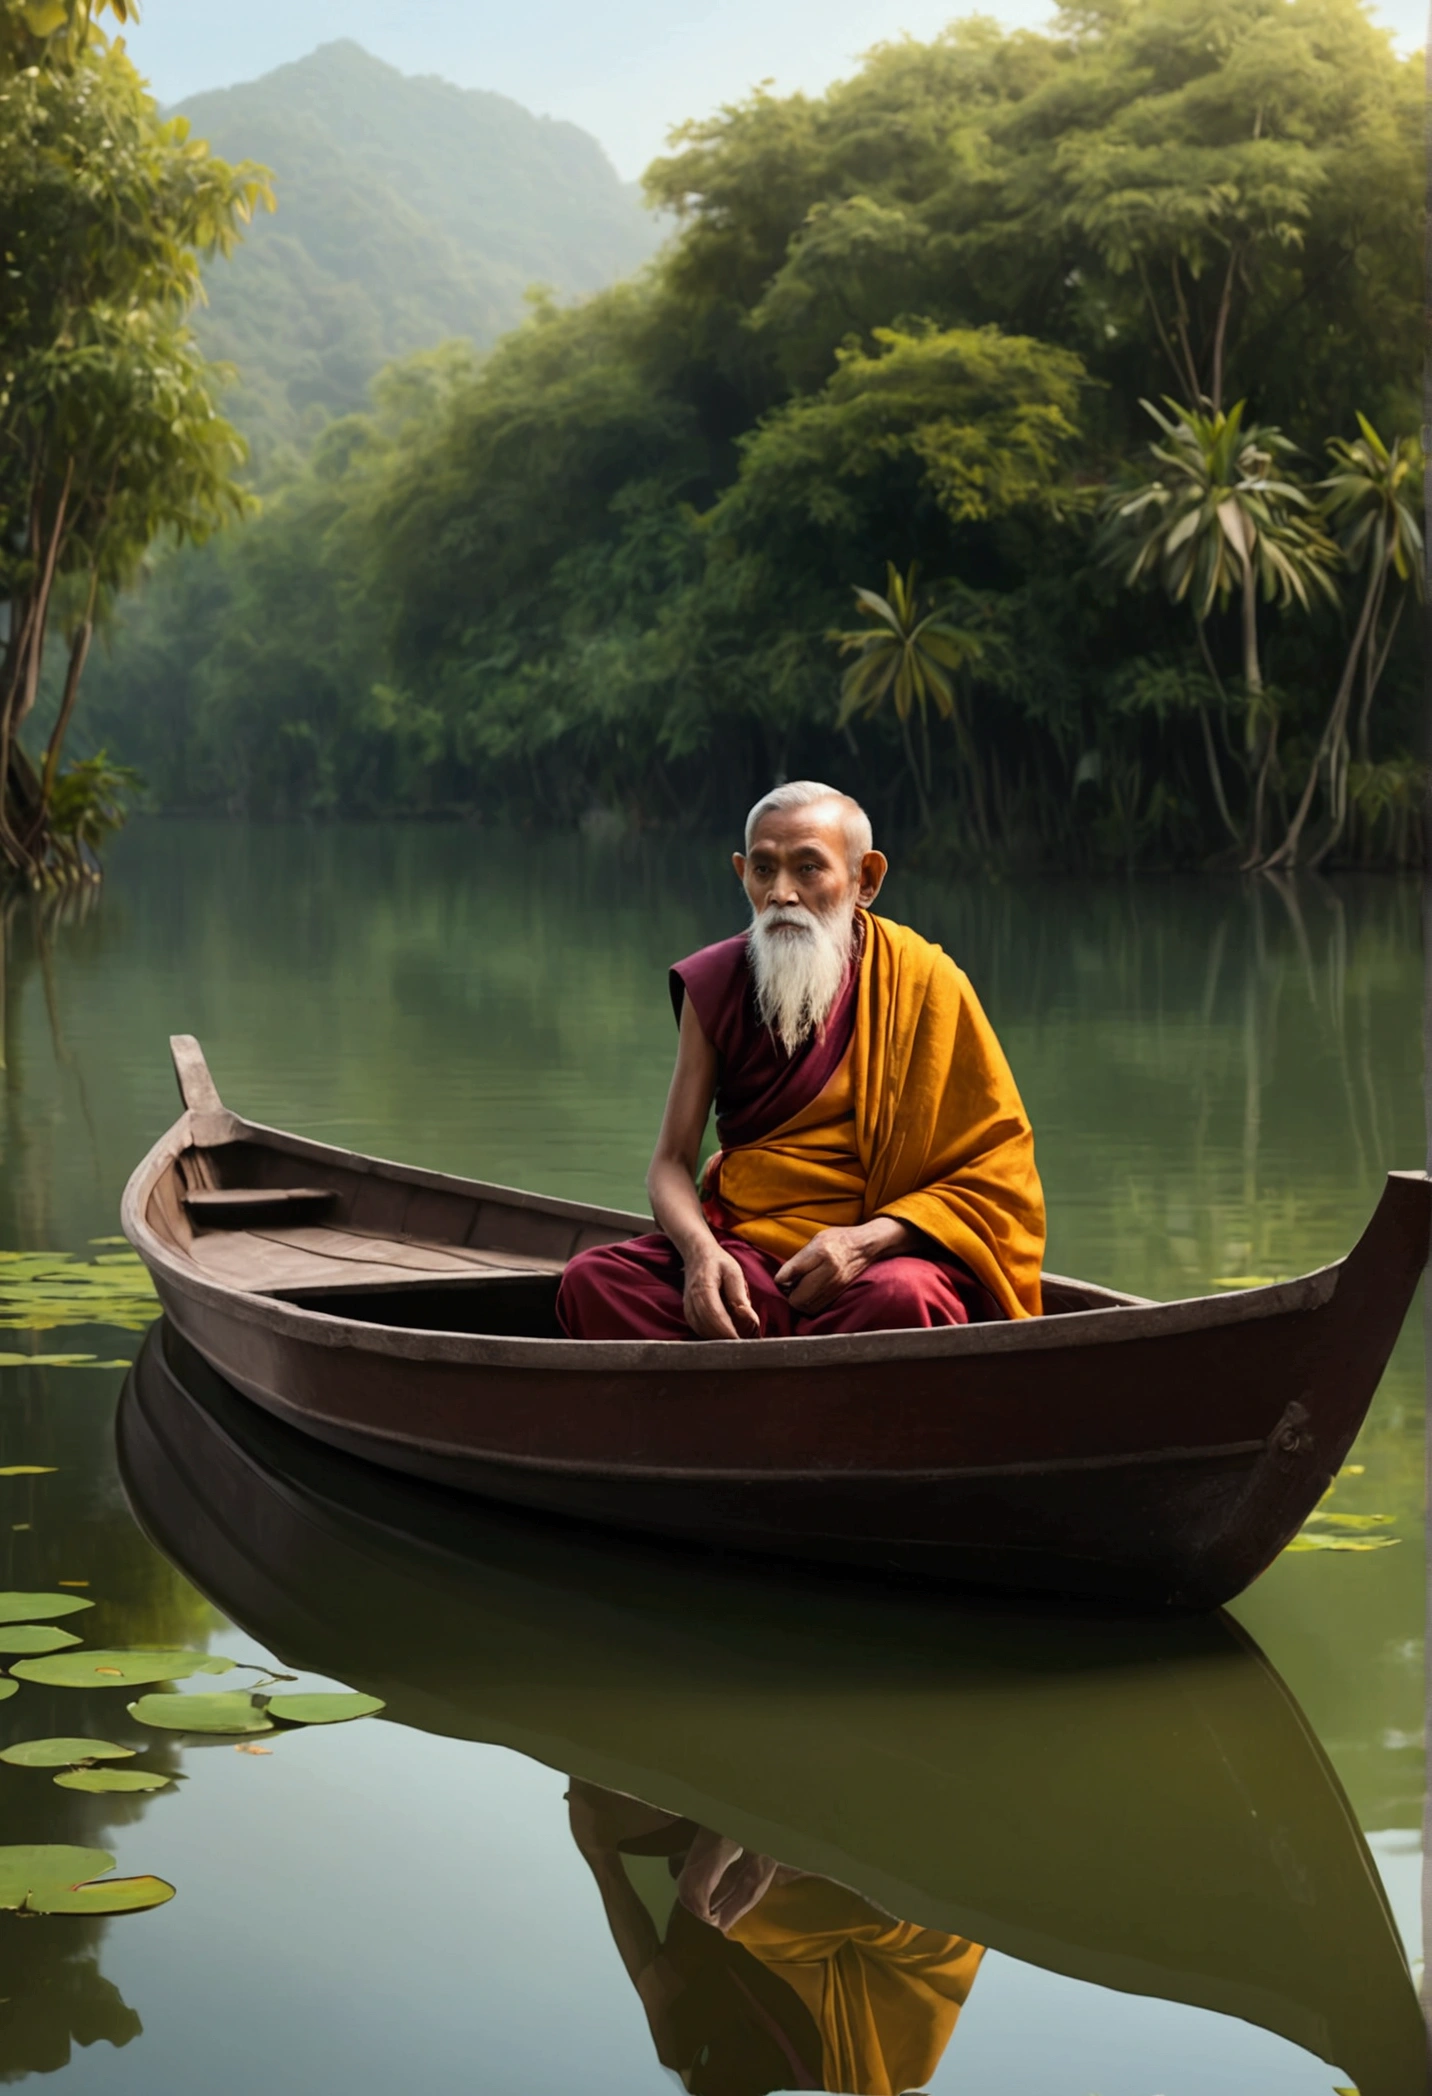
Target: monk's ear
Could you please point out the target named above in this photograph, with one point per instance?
(738, 861)
(873, 869)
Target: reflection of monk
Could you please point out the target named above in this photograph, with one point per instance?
(757, 1977)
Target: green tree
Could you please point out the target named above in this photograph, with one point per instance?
(910, 660)
(1374, 498)
(109, 429)
(51, 32)
(1219, 515)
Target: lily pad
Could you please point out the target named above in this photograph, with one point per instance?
(324, 1708)
(234, 1711)
(62, 1753)
(99, 1779)
(35, 1637)
(43, 1291)
(35, 1608)
(57, 1880)
(118, 1669)
(8, 1688)
(1314, 1539)
(27, 1469)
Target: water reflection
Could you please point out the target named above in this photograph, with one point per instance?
(1139, 1806)
(755, 1976)
(1218, 1085)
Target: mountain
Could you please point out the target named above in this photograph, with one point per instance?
(408, 210)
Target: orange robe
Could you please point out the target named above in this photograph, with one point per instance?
(922, 1120)
(883, 1994)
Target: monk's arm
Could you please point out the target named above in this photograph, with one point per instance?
(716, 1302)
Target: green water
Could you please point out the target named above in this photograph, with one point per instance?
(1218, 1077)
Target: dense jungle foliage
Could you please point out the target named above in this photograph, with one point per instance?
(110, 435)
(1063, 323)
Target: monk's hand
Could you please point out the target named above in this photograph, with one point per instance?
(814, 1277)
(720, 1881)
(715, 1301)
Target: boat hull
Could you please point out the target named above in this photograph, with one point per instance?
(1170, 1467)
(1153, 1455)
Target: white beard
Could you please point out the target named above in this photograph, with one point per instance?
(798, 972)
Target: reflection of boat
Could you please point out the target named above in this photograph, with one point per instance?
(1143, 1807)
(1145, 1452)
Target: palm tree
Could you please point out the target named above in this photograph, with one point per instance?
(910, 660)
(1218, 516)
(1372, 496)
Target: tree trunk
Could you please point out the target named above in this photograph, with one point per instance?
(1215, 774)
(1252, 669)
(1374, 663)
(79, 649)
(924, 805)
(1333, 731)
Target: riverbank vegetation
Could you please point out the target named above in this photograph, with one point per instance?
(109, 430)
(1103, 342)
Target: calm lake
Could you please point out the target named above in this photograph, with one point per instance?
(1024, 1856)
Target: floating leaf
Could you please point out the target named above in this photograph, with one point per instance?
(28, 1470)
(1353, 1520)
(33, 1608)
(325, 1708)
(58, 1880)
(1313, 1539)
(102, 1779)
(118, 1669)
(63, 1753)
(56, 1361)
(35, 1637)
(233, 1711)
(8, 1688)
(1249, 1280)
(41, 1291)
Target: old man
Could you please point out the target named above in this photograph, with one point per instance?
(876, 1166)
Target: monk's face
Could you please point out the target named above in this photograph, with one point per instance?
(800, 857)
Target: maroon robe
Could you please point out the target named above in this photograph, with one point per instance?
(635, 1290)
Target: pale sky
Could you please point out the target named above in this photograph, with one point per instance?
(625, 70)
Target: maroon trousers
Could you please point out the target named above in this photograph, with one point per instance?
(634, 1291)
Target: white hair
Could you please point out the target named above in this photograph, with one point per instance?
(810, 793)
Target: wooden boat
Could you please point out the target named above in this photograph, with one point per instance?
(1135, 1804)
(1114, 1450)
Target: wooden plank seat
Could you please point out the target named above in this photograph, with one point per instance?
(214, 1203)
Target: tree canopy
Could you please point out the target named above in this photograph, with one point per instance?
(109, 427)
(910, 321)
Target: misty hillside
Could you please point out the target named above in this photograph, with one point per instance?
(408, 210)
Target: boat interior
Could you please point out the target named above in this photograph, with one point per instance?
(385, 1244)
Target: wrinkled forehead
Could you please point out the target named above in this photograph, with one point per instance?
(822, 828)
